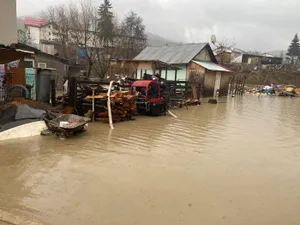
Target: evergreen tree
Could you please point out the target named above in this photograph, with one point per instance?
(133, 26)
(294, 48)
(105, 23)
(135, 32)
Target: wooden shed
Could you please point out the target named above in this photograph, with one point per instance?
(17, 74)
(12, 69)
(190, 57)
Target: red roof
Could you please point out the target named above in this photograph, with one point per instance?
(35, 22)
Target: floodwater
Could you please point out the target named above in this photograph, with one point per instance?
(227, 164)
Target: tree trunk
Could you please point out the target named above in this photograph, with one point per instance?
(90, 65)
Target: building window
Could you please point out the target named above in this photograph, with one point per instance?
(42, 65)
(28, 64)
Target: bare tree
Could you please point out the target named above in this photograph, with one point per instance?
(95, 34)
(83, 31)
(58, 16)
(223, 50)
(24, 37)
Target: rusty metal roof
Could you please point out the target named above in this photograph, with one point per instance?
(158, 64)
(212, 66)
(172, 54)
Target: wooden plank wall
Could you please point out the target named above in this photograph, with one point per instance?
(18, 74)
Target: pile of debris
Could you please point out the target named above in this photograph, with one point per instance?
(287, 90)
(122, 106)
(193, 102)
(189, 102)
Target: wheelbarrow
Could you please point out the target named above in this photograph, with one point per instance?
(64, 125)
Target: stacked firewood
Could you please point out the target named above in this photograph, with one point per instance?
(122, 107)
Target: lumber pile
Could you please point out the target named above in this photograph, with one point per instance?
(122, 104)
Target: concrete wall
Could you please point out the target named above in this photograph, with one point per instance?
(34, 34)
(46, 33)
(8, 22)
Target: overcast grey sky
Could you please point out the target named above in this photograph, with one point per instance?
(262, 25)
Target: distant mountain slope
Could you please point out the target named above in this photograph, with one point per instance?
(155, 40)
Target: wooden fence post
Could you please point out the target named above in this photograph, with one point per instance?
(53, 93)
(72, 91)
(198, 91)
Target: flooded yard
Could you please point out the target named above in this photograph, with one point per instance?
(228, 164)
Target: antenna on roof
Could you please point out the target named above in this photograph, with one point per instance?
(213, 39)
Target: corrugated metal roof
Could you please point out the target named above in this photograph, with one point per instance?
(172, 54)
(212, 66)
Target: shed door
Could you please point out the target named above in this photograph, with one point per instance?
(30, 75)
(217, 83)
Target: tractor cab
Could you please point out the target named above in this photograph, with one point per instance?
(148, 97)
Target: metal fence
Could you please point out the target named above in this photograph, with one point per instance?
(5, 84)
(3, 93)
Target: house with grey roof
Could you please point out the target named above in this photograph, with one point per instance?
(188, 58)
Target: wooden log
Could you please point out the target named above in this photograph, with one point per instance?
(212, 101)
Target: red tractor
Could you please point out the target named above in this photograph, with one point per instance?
(148, 97)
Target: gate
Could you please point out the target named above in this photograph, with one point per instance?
(30, 80)
(5, 83)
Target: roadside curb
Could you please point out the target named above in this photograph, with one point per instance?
(16, 220)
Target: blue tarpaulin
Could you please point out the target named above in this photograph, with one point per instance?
(82, 52)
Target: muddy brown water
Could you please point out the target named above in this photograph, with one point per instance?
(4, 223)
(227, 164)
